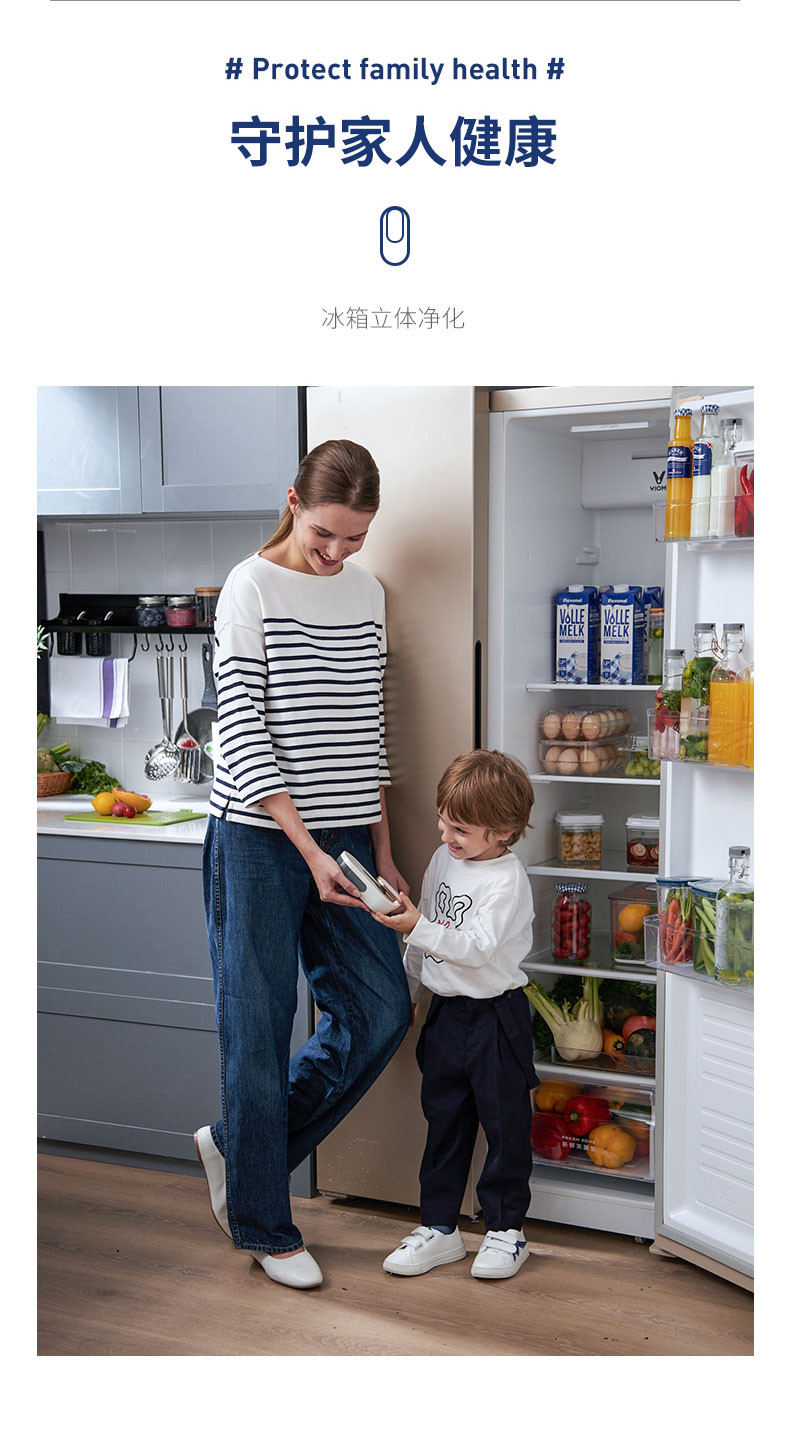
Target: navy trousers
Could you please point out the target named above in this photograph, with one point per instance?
(476, 1062)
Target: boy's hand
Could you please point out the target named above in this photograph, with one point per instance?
(406, 918)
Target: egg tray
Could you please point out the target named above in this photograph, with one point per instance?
(584, 724)
(591, 760)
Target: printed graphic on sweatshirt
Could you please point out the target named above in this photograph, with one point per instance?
(449, 910)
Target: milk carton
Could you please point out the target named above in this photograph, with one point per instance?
(578, 635)
(622, 634)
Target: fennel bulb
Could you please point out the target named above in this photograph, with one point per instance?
(576, 1030)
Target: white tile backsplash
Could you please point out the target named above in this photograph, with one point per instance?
(141, 556)
(188, 556)
(93, 550)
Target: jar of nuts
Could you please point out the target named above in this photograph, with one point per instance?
(580, 838)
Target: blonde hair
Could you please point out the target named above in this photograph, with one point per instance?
(489, 790)
(334, 472)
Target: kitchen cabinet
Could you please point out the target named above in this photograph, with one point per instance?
(217, 449)
(106, 451)
(88, 451)
(127, 1057)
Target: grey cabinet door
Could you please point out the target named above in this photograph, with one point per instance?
(217, 449)
(88, 451)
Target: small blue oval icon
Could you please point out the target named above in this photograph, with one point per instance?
(394, 235)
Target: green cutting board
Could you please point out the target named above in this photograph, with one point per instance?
(152, 817)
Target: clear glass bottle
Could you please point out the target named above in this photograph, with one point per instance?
(724, 482)
(734, 956)
(707, 452)
(695, 694)
(666, 720)
(729, 685)
(655, 644)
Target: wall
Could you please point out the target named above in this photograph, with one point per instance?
(141, 555)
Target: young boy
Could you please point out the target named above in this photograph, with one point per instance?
(466, 943)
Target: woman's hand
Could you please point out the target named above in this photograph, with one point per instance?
(405, 920)
(385, 869)
(332, 884)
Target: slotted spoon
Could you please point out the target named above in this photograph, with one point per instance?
(163, 759)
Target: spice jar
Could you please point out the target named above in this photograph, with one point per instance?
(180, 611)
(641, 846)
(150, 611)
(570, 923)
(206, 600)
(580, 838)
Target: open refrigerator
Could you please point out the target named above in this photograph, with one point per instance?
(493, 502)
(576, 488)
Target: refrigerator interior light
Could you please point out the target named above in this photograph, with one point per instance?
(611, 427)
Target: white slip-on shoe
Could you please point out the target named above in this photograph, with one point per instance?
(300, 1271)
(424, 1249)
(213, 1163)
(501, 1254)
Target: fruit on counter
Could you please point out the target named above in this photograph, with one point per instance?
(103, 803)
(613, 1044)
(140, 802)
(554, 1094)
(620, 1000)
(123, 810)
(550, 1137)
(641, 1044)
(584, 1113)
(610, 1146)
(637, 1021)
(576, 1030)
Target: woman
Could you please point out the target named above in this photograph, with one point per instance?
(301, 650)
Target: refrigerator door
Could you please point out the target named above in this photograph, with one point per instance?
(704, 1176)
(428, 547)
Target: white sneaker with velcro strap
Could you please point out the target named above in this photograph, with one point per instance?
(501, 1254)
(423, 1249)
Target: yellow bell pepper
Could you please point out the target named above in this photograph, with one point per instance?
(554, 1095)
(610, 1146)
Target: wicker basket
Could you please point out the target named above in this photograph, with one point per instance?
(50, 783)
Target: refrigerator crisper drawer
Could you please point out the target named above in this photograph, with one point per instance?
(706, 1198)
(602, 1130)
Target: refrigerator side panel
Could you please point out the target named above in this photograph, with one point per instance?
(427, 546)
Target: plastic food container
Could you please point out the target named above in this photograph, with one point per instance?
(638, 763)
(586, 759)
(570, 923)
(150, 611)
(641, 843)
(703, 918)
(580, 838)
(584, 724)
(629, 906)
(675, 929)
(180, 611)
(206, 603)
(618, 1128)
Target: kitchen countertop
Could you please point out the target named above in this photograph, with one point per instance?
(51, 818)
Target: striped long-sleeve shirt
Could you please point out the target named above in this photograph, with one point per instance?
(299, 665)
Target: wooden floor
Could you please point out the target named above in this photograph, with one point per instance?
(132, 1263)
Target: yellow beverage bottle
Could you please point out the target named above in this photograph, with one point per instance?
(727, 735)
(680, 456)
(748, 752)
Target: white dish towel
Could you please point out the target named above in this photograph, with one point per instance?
(94, 691)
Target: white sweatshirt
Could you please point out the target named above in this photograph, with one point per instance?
(475, 927)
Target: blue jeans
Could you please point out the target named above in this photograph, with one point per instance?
(264, 917)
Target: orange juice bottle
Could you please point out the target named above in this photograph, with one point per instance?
(748, 752)
(680, 456)
(727, 735)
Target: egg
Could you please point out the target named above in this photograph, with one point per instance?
(552, 724)
(590, 761)
(551, 759)
(568, 761)
(571, 725)
(591, 725)
(602, 752)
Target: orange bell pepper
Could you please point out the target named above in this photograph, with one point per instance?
(610, 1146)
(554, 1094)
